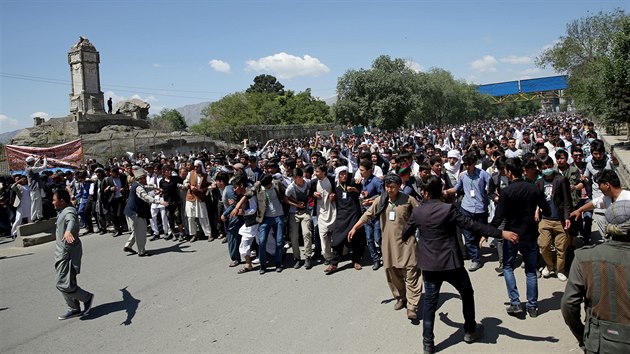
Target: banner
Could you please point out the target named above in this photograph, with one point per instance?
(68, 155)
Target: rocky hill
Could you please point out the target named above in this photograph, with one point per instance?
(5, 138)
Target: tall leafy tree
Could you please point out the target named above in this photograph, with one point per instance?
(616, 77)
(266, 84)
(380, 96)
(169, 120)
(580, 53)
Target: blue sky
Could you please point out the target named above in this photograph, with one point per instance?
(177, 52)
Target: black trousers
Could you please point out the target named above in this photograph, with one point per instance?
(357, 245)
(433, 280)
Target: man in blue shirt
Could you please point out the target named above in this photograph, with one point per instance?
(372, 188)
(473, 184)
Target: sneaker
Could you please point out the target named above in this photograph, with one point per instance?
(513, 309)
(69, 314)
(376, 266)
(562, 277)
(474, 266)
(287, 245)
(307, 263)
(532, 312)
(546, 272)
(297, 264)
(255, 261)
(472, 337)
(88, 305)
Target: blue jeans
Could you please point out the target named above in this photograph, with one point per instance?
(472, 239)
(234, 238)
(586, 221)
(276, 224)
(460, 280)
(373, 238)
(529, 251)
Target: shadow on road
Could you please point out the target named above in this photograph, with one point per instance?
(552, 303)
(17, 255)
(128, 303)
(178, 247)
(492, 331)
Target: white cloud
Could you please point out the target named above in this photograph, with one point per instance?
(146, 99)
(513, 59)
(287, 66)
(41, 115)
(220, 66)
(158, 65)
(414, 66)
(6, 121)
(487, 63)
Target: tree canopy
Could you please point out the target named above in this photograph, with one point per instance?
(264, 103)
(266, 84)
(616, 77)
(390, 94)
(169, 120)
(581, 53)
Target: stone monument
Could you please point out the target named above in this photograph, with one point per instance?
(86, 96)
(87, 105)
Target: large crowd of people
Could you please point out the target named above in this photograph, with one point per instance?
(422, 201)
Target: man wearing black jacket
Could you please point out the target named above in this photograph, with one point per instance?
(554, 225)
(440, 258)
(517, 206)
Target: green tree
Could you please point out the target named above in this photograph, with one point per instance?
(380, 96)
(169, 120)
(580, 53)
(266, 84)
(262, 108)
(616, 78)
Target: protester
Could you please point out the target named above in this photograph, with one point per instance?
(68, 254)
(440, 258)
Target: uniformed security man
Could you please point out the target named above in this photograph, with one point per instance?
(600, 277)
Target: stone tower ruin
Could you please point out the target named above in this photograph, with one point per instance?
(86, 96)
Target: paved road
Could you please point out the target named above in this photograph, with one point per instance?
(185, 298)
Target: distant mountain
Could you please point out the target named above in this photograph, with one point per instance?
(5, 138)
(330, 100)
(192, 112)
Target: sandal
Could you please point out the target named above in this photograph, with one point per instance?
(245, 270)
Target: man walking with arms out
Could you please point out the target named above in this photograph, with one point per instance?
(68, 253)
(399, 254)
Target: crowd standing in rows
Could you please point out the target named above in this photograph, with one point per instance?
(422, 201)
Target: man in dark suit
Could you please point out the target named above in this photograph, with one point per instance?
(517, 206)
(440, 258)
(115, 193)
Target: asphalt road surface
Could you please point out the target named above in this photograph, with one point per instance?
(184, 298)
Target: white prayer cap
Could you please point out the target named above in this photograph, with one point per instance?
(30, 159)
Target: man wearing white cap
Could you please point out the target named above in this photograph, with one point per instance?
(32, 173)
(138, 211)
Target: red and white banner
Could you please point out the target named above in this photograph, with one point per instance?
(68, 155)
